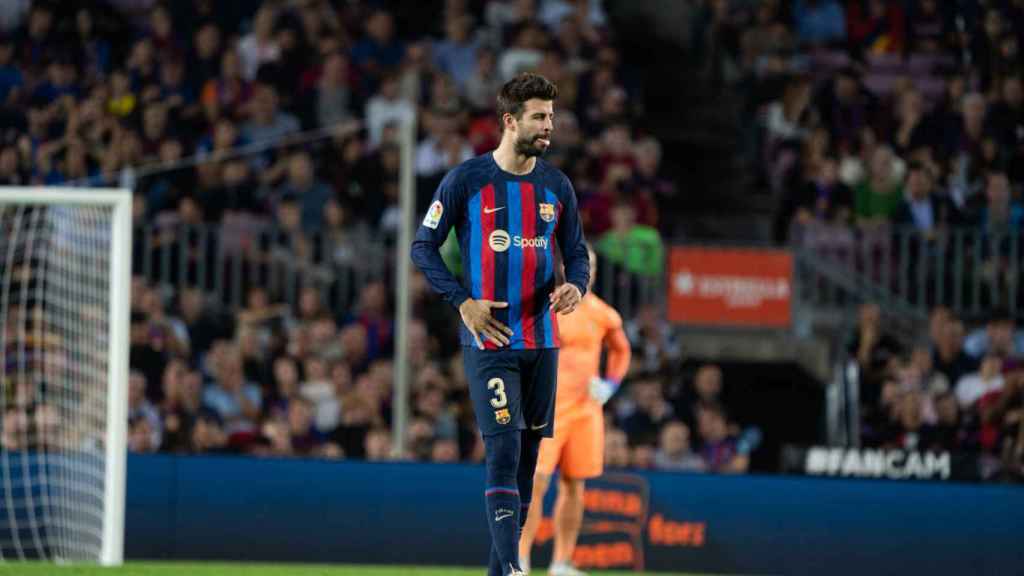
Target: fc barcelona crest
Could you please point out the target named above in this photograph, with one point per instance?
(547, 212)
(502, 416)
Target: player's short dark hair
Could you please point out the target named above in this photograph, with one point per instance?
(525, 86)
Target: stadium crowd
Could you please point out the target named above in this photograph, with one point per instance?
(866, 115)
(879, 118)
(285, 114)
(953, 390)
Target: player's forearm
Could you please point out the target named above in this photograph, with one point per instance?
(577, 272)
(427, 257)
(577, 262)
(619, 355)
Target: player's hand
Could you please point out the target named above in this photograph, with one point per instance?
(476, 315)
(602, 390)
(565, 298)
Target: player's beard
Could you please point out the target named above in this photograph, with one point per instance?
(527, 146)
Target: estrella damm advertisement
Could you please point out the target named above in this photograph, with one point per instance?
(618, 525)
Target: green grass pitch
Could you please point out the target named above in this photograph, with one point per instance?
(229, 569)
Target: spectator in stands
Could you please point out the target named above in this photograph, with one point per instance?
(878, 197)
(204, 58)
(926, 30)
(385, 108)
(999, 336)
(719, 449)
(655, 344)
(706, 390)
(911, 131)
(819, 21)
(873, 346)
(229, 90)
(636, 247)
(207, 434)
(11, 77)
(790, 118)
(319, 393)
(876, 26)
(525, 51)
(267, 122)
(962, 142)
(182, 406)
(259, 46)
(236, 402)
(822, 200)
(444, 450)
(989, 378)
(910, 422)
(648, 411)
(378, 445)
(312, 194)
(920, 373)
(303, 438)
(845, 107)
(674, 449)
(456, 55)
(1006, 121)
(333, 95)
(947, 433)
(434, 155)
(484, 82)
(641, 457)
(923, 209)
(616, 449)
(379, 50)
(984, 47)
(1000, 213)
(142, 414)
(1004, 415)
(937, 320)
(949, 355)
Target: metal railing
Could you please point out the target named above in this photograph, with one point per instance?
(969, 270)
(225, 260)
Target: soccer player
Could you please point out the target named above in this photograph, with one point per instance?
(577, 448)
(508, 208)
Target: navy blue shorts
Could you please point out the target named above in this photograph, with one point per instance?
(512, 389)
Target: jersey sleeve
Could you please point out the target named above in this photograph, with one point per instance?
(619, 352)
(571, 241)
(444, 213)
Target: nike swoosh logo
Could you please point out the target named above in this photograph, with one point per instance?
(492, 210)
(544, 425)
(501, 517)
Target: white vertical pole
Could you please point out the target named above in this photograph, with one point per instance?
(407, 206)
(112, 552)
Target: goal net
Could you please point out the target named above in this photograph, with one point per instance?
(64, 280)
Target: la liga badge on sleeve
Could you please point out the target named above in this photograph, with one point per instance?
(433, 217)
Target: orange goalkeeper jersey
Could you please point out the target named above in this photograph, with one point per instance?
(583, 333)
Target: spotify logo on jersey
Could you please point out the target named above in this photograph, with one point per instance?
(499, 241)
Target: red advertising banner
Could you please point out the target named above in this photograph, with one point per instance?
(730, 287)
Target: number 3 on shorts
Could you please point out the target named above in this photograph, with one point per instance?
(498, 385)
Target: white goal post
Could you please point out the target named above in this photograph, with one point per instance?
(65, 274)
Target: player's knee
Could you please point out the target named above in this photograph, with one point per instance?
(502, 458)
(572, 488)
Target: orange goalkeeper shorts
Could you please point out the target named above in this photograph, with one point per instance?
(577, 448)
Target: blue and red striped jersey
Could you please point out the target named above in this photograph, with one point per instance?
(507, 226)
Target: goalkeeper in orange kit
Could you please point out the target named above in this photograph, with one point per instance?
(577, 448)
